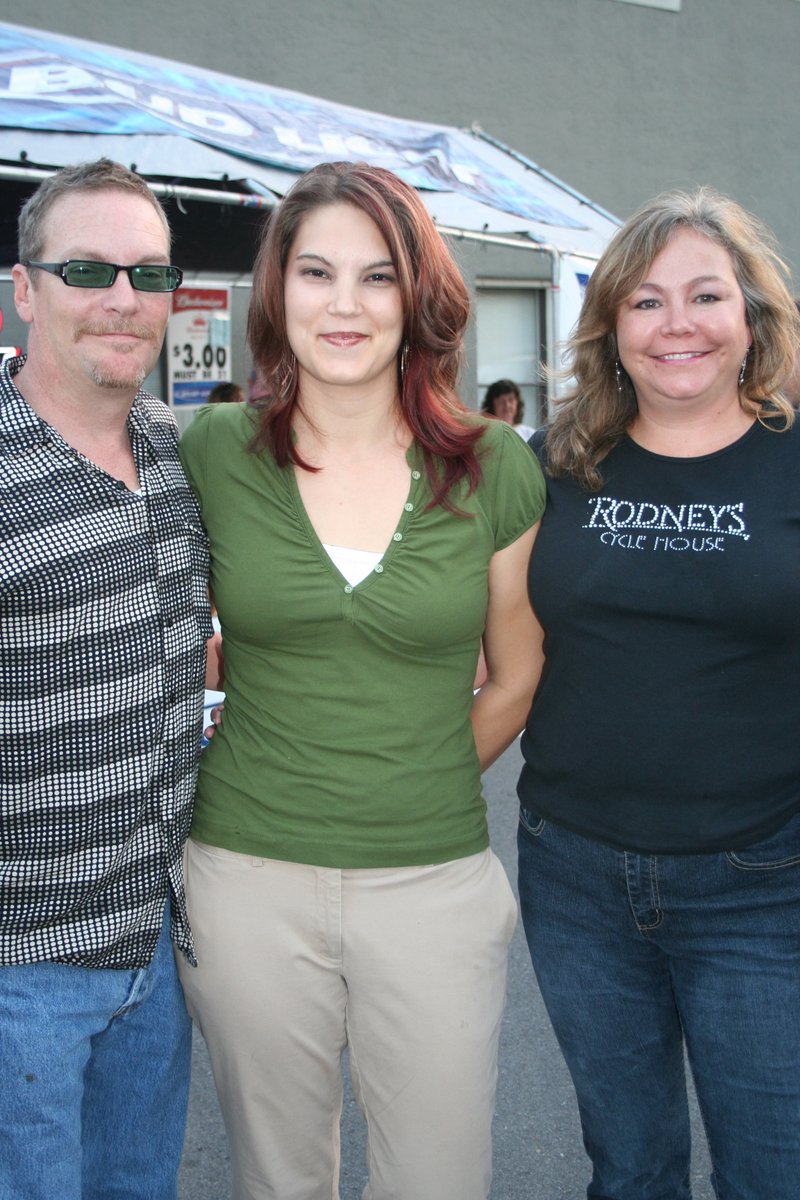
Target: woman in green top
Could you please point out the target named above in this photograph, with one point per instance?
(366, 532)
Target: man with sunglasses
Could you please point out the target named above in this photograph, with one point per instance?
(103, 624)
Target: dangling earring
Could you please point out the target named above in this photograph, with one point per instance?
(404, 357)
(744, 366)
(618, 369)
(285, 376)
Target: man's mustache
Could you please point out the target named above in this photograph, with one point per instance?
(146, 332)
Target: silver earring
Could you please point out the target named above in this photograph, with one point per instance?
(285, 377)
(618, 369)
(404, 356)
(744, 366)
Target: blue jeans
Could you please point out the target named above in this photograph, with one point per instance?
(94, 1081)
(637, 956)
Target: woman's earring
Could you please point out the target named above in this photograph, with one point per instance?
(404, 356)
(744, 366)
(618, 369)
(286, 376)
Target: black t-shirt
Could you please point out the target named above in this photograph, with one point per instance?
(667, 719)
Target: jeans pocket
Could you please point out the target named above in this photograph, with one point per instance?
(507, 908)
(531, 822)
(779, 850)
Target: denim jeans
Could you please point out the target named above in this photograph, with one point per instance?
(94, 1081)
(637, 956)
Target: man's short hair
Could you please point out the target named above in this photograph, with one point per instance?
(97, 176)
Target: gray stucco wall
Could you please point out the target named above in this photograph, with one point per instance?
(619, 99)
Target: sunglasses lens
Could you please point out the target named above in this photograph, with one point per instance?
(88, 274)
(156, 278)
(144, 278)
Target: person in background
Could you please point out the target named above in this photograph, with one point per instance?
(503, 400)
(659, 831)
(226, 393)
(366, 530)
(103, 625)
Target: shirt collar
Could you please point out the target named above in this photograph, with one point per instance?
(21, 428)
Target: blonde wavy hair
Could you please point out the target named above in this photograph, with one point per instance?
(593, 416)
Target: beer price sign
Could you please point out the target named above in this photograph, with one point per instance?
(199, 343)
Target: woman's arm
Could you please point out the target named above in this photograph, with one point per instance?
(215, 667)
(512, 645)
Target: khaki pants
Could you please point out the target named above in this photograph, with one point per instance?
(404, 966)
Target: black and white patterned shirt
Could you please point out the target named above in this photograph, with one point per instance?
(103, 622)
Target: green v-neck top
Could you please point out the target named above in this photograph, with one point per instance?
(346, 739)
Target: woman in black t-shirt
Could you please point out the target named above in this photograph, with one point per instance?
(660, 821)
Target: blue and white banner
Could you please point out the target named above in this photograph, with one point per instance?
(52, 83)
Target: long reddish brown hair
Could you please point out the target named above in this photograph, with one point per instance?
(435, 306)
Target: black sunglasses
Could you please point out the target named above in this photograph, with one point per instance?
(144, 277)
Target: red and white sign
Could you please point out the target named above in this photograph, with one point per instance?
(199, 343)
(7, 351)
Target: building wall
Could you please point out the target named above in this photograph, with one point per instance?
(620, 99)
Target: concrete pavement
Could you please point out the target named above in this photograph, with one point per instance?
(537, 1145)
